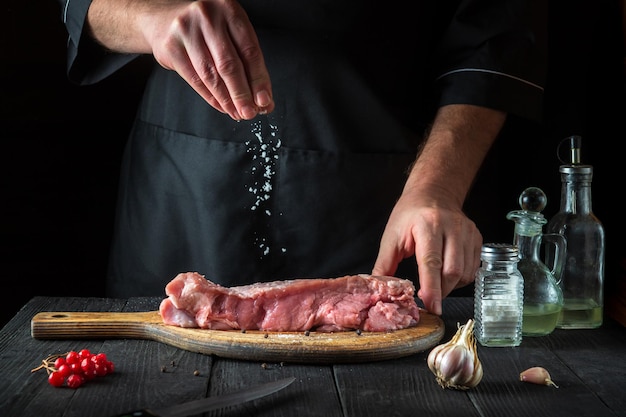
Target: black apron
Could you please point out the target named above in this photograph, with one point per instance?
(305, 191)
(302, 192)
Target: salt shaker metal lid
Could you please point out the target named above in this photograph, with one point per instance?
(499, 252)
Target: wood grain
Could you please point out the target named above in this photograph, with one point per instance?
(300, 347)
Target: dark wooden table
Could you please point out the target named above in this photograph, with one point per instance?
(589, 367)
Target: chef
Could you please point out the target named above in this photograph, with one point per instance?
(282, 139)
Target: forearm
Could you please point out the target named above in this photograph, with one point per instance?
(457, 144)
(122, 25)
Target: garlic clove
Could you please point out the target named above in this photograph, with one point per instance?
(537, 375)
(456, 364)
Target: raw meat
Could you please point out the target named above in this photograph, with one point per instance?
(365, 302)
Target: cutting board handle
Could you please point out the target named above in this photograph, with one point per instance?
(76, 325)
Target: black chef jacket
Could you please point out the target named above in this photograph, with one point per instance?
(306, 190)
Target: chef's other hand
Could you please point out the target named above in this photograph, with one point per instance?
(213, 46)
(445, 242)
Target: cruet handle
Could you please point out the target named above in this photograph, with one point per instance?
(558, 263)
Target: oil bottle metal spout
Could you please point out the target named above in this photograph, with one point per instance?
(575, 143)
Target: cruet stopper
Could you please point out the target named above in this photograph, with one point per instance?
(529, 220)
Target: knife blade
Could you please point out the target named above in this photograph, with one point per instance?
(214, 402)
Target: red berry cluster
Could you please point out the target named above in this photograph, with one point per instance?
(73, 368)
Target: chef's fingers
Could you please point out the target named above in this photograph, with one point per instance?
(472, 259)
(429, 241)
(190, 69)
(182, 48)
(469, 240)
(389, 256)
(461, 255)
(234, 54)
(214, 47)
(250, 53)
(209, 80)
(453, 266)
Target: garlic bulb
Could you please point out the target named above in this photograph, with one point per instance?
(537, 375)
(456, 364)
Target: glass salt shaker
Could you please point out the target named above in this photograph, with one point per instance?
(543, 298)
(498, 296)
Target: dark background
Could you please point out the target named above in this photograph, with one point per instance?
(62, 145)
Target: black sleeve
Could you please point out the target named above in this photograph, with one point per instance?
(87, 61)
(494, 54)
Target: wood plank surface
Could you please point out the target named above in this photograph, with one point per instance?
(303, 347)
(586, 364)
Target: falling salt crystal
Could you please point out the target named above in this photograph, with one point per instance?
(264, 153)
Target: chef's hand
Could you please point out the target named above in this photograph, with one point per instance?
(445, 242)
(210, 43)
(428, 219)
(213, 46)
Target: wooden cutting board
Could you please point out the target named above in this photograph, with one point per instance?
(257, 345)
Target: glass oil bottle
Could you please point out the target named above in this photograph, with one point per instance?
(582, 280)
(498, 297)
(543, 298)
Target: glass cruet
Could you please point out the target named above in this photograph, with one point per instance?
(543, 297)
